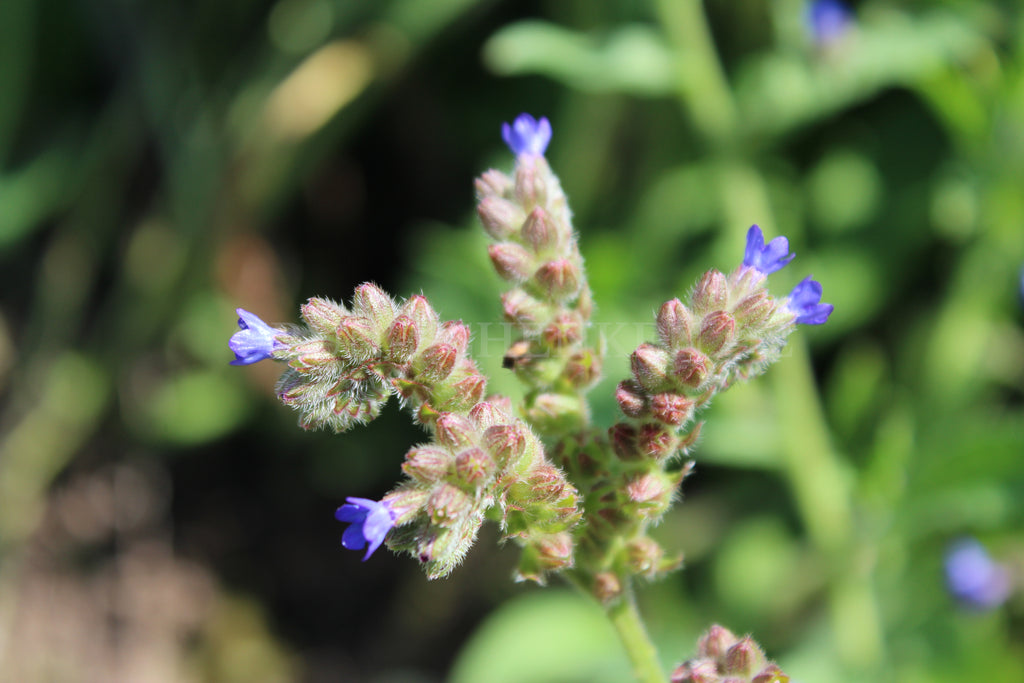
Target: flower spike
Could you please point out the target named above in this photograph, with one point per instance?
(369, 522)
(766, 259)
(804, 302)
(527, 135)
(254, 341)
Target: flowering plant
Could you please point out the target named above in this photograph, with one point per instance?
(578, 498)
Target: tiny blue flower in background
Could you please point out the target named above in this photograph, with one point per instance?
(974, 578)
(370, 522)
(254, 341)
(804, 302)
(827, 21)
(527, 135)
(766, 259)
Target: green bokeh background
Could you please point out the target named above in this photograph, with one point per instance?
(162, 518)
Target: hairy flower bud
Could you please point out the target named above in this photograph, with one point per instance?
(468, 391)
(511, 261)
(500, 217)
(322, 315)
(311, 354)
(488, 414)
(529, 188)
(507, 443)
(448, 504)
(690, 367)
(607, 587)
(539, 232)
(623, 438)
(561, 279)
(456, 334)
(371, 302)
(357, 339)
(436, 363)
(493, 183)
(674, 323)
(671, 408)
(644, 556)
(744, 658)
(401, 340)
(717, 332)
(656, 442)
(423, 315)
(583, 369)
(711, 293)
(566, 329)
(473, 465)
(753, 309)
(650, 365)
(554, 413)
(630, 397)
(651, 492)
(405, 502)
(427, 464)
(525, 311)
(455, 432)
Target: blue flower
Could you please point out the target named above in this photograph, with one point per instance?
(804, 302)
(254, 341)
(370, 522)
(973, 578)
(527, 135)
(827, 21)
(766, 259)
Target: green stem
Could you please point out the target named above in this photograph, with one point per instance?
(630, 627)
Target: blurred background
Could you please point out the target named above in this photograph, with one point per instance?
(162, 518)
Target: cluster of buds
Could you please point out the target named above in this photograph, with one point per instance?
(549, 303)
(724, 658)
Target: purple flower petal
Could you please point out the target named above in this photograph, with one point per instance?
(255, 340)
(973, 578)
(804, 300)
(527, 135)
(827, 21)
(766, 259)
(369, 521)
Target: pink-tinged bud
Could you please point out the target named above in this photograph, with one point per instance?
(671, 409)
(716, 642)
(547, 484)
(744, 658)
(357, 339)
(623, 438)
(371, 302)
(648, 488)
(469, 390)
(690, 367)
(529, 181)
(656, 442)
(455, 432)
(539, 232)
(500, 217)
(644, 556)
(435, 363)
(650, 365)
(717, 332)
(566, 329)
(525, 311)
(583, 369)
(560, 279)
(448, 504)
(401, 340)
(506, 443)
(553, 413)
(607, 587)
(493, 183)
(406, 502)
(473, 466)
(770, 674)
(294, 387)
(323, 315)
(696, 671)
(423, 316)
(488, 414)
(427, 464)
(311, 354)
(711, 293)
(554, 551)
(511, 261)
(674, 324)
(630, 396)
(754, 309)
(456, 334)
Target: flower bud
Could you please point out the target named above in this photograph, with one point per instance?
(690, 367)
(405, 502)
(696, 671)
(427, 464)
(473, 466)
(566, 329)
(644, 556)
(529, 186)
(500, 217)
(507, 443)
(525, 311)
(607, 587)
(623, 438)
(717, 332)
(539, 232)
(357, 339)
(583, 369)
(401, 340)
(770, 674)
(753, 309)
(493, 183)
(488, 414)
(323, 315)
(716, 642)
(744, 658)
(655, 441)
(630, 397)
(371, 302)
(560, 279)
(554, 551)
(310, 354)
(456, 334)
(467, 391)
(547, 484)
(511, 261)
(671, 408)
(553, 413)
(455, 432)
(447, 504)
(650, 365)
(674, 323)
(435, 363)
(711, 293)
(651, 492)
(423, 316)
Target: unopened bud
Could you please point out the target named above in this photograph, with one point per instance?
(529, 180)
(406, 502)
(623, 438)
(525, 311)
(323, 315)
(583, 369)
(650, 365)
(554, 551)
(674, 323)
(455, 432)
(473, 466)
(488, 414)
(561, 279)
(493, 183)
(511, 261)
(553, 413)
(671, 408)
(744, 658)
(630, 397)
(456, 334)
(427, 464)
(716, 642)
(607, 587)
(566, 329)
(507, 443)
(651, 493)
(770, 674)
(311, 354)
(696, 671)
(401, 341)
(644, 556)
(690, 367)
(711, 293)
(539, 232)
(423, 315)
(500, 217)
(448, 504)
(371, 302)
(435, 363)
(717, 332)
(754, 309)
(357, 339)
(547, 484)
(656, 442)
(467, 391)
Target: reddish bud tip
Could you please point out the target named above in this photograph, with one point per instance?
(436, 363)
(674, 323)
(671, 408)
(511, 261)
(455, 432)
(323, 315)
(561, 279)
(427, 464)
(690, 367)
(717, 332)
(650, 365)
(711, 293)
(401, 340)
(539, 232)
(630, 396)
(501, 218)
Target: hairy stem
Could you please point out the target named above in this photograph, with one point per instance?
(630, 627)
